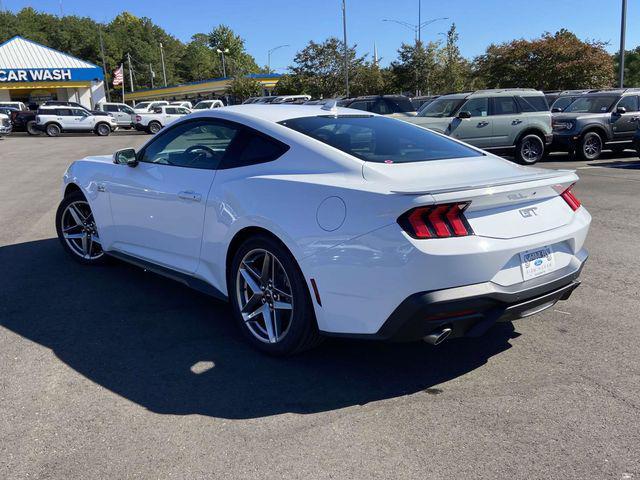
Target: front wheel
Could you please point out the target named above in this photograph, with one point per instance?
(529, 149)
(103, 129)
(590, 146)
(154, 127)
(53, 130)
(32, 128)
(77, 230)
(270, 299)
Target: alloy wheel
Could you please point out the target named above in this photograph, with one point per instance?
(592, 146)
(79, 230)
(264, 296)
(531, 150)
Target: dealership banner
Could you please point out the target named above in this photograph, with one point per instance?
(50, 74)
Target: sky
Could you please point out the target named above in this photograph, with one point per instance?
(265, 25)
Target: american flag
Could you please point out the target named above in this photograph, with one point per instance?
(118, 76)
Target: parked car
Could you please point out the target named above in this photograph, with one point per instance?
(123, 113)
(403, 233)
(16, 105)
(146, 107)
(5, 125)
(25, 121)
(160, 117)
(393, 105)
(59, 103)
(267, 99)
(208, 104)
(251, 100)
(55, 120)
(322, 101)
(597, 120)
(558, 101)
(8, 111)
(505, 120)
(636, 141)
(291, 99)
(423, 100)
(182, 103)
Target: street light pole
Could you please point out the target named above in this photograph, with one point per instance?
(269, 52)
(224, 67)
(419, 19)
(416, 29)
(164, 71)
(623, 28)
(346, 55)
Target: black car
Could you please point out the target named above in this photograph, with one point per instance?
(397, 105)
(598, 120)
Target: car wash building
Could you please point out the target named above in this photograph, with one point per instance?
(34, 73)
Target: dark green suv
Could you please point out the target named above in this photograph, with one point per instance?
(602, 119)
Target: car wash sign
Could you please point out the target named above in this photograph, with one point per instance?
(29, 75)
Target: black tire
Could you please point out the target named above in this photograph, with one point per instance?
(102, 130)
(301, 330)
(53, 130)
(590, 146)
(154, 127)
(32, 129)
(530, 149)
(97, 257)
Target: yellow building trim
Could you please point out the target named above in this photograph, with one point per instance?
(217, 86)
(41, 85)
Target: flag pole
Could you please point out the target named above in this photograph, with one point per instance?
(122, 69)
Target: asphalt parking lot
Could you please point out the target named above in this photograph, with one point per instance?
(111, 372)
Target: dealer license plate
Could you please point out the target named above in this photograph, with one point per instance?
(537, 262)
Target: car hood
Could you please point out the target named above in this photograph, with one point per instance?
(437, 124)
(437, 176)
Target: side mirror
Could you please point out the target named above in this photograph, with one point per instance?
(556, 110)
(464, 114)
(621, 110)
(126, 156)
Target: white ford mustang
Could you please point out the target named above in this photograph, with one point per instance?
(320, 221)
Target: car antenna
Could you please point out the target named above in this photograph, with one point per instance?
(331, 106)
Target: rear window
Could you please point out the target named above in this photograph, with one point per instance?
(533, 103)
(380, 139)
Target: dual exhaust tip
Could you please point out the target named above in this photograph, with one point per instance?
(438, 336)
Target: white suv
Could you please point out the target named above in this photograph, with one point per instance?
(55, 120)
(122, 112)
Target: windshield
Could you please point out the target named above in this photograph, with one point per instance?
(143, 105)
(441, 107)
(592, 104)
(202, 106)
(380, 139)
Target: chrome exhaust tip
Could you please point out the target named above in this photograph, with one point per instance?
(437, 337)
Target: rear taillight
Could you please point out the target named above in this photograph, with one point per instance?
(571, 199)
(436, 221)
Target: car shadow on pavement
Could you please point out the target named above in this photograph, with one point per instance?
(625, 165)
(174, 351)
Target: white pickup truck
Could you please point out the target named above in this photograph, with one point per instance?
(160, 117)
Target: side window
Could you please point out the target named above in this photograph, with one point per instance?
(197, 144)
(64, 112)
(538, 102)
(171, 110)
(630, 103)
(183, 111)
(504, 106)
(252, 148)
(361, 105)
(78, 112)
(110, 108)
(125, 109)
(477, 107)
(381, 107)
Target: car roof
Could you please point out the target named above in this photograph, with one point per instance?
(278, 113)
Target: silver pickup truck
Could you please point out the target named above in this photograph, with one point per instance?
(160, 117)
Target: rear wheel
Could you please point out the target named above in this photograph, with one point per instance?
(103, 129)
(270, 299)
(77, 230)
(529, 149)
(53, 130)
(590, 146)
(154, 127)
(32, 128)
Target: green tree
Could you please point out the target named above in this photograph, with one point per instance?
(455, 71)
(319, 68)
(244, 87)
(551, 62)
(417, 67)
(238, 61)
(631, 67)
(370, 79)
(198, 61)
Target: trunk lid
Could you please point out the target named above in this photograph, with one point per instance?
(506, 200)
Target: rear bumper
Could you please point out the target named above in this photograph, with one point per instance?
(472, 309)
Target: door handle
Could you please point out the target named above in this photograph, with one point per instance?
(189, 195)
(483, 124)
(516, 122)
